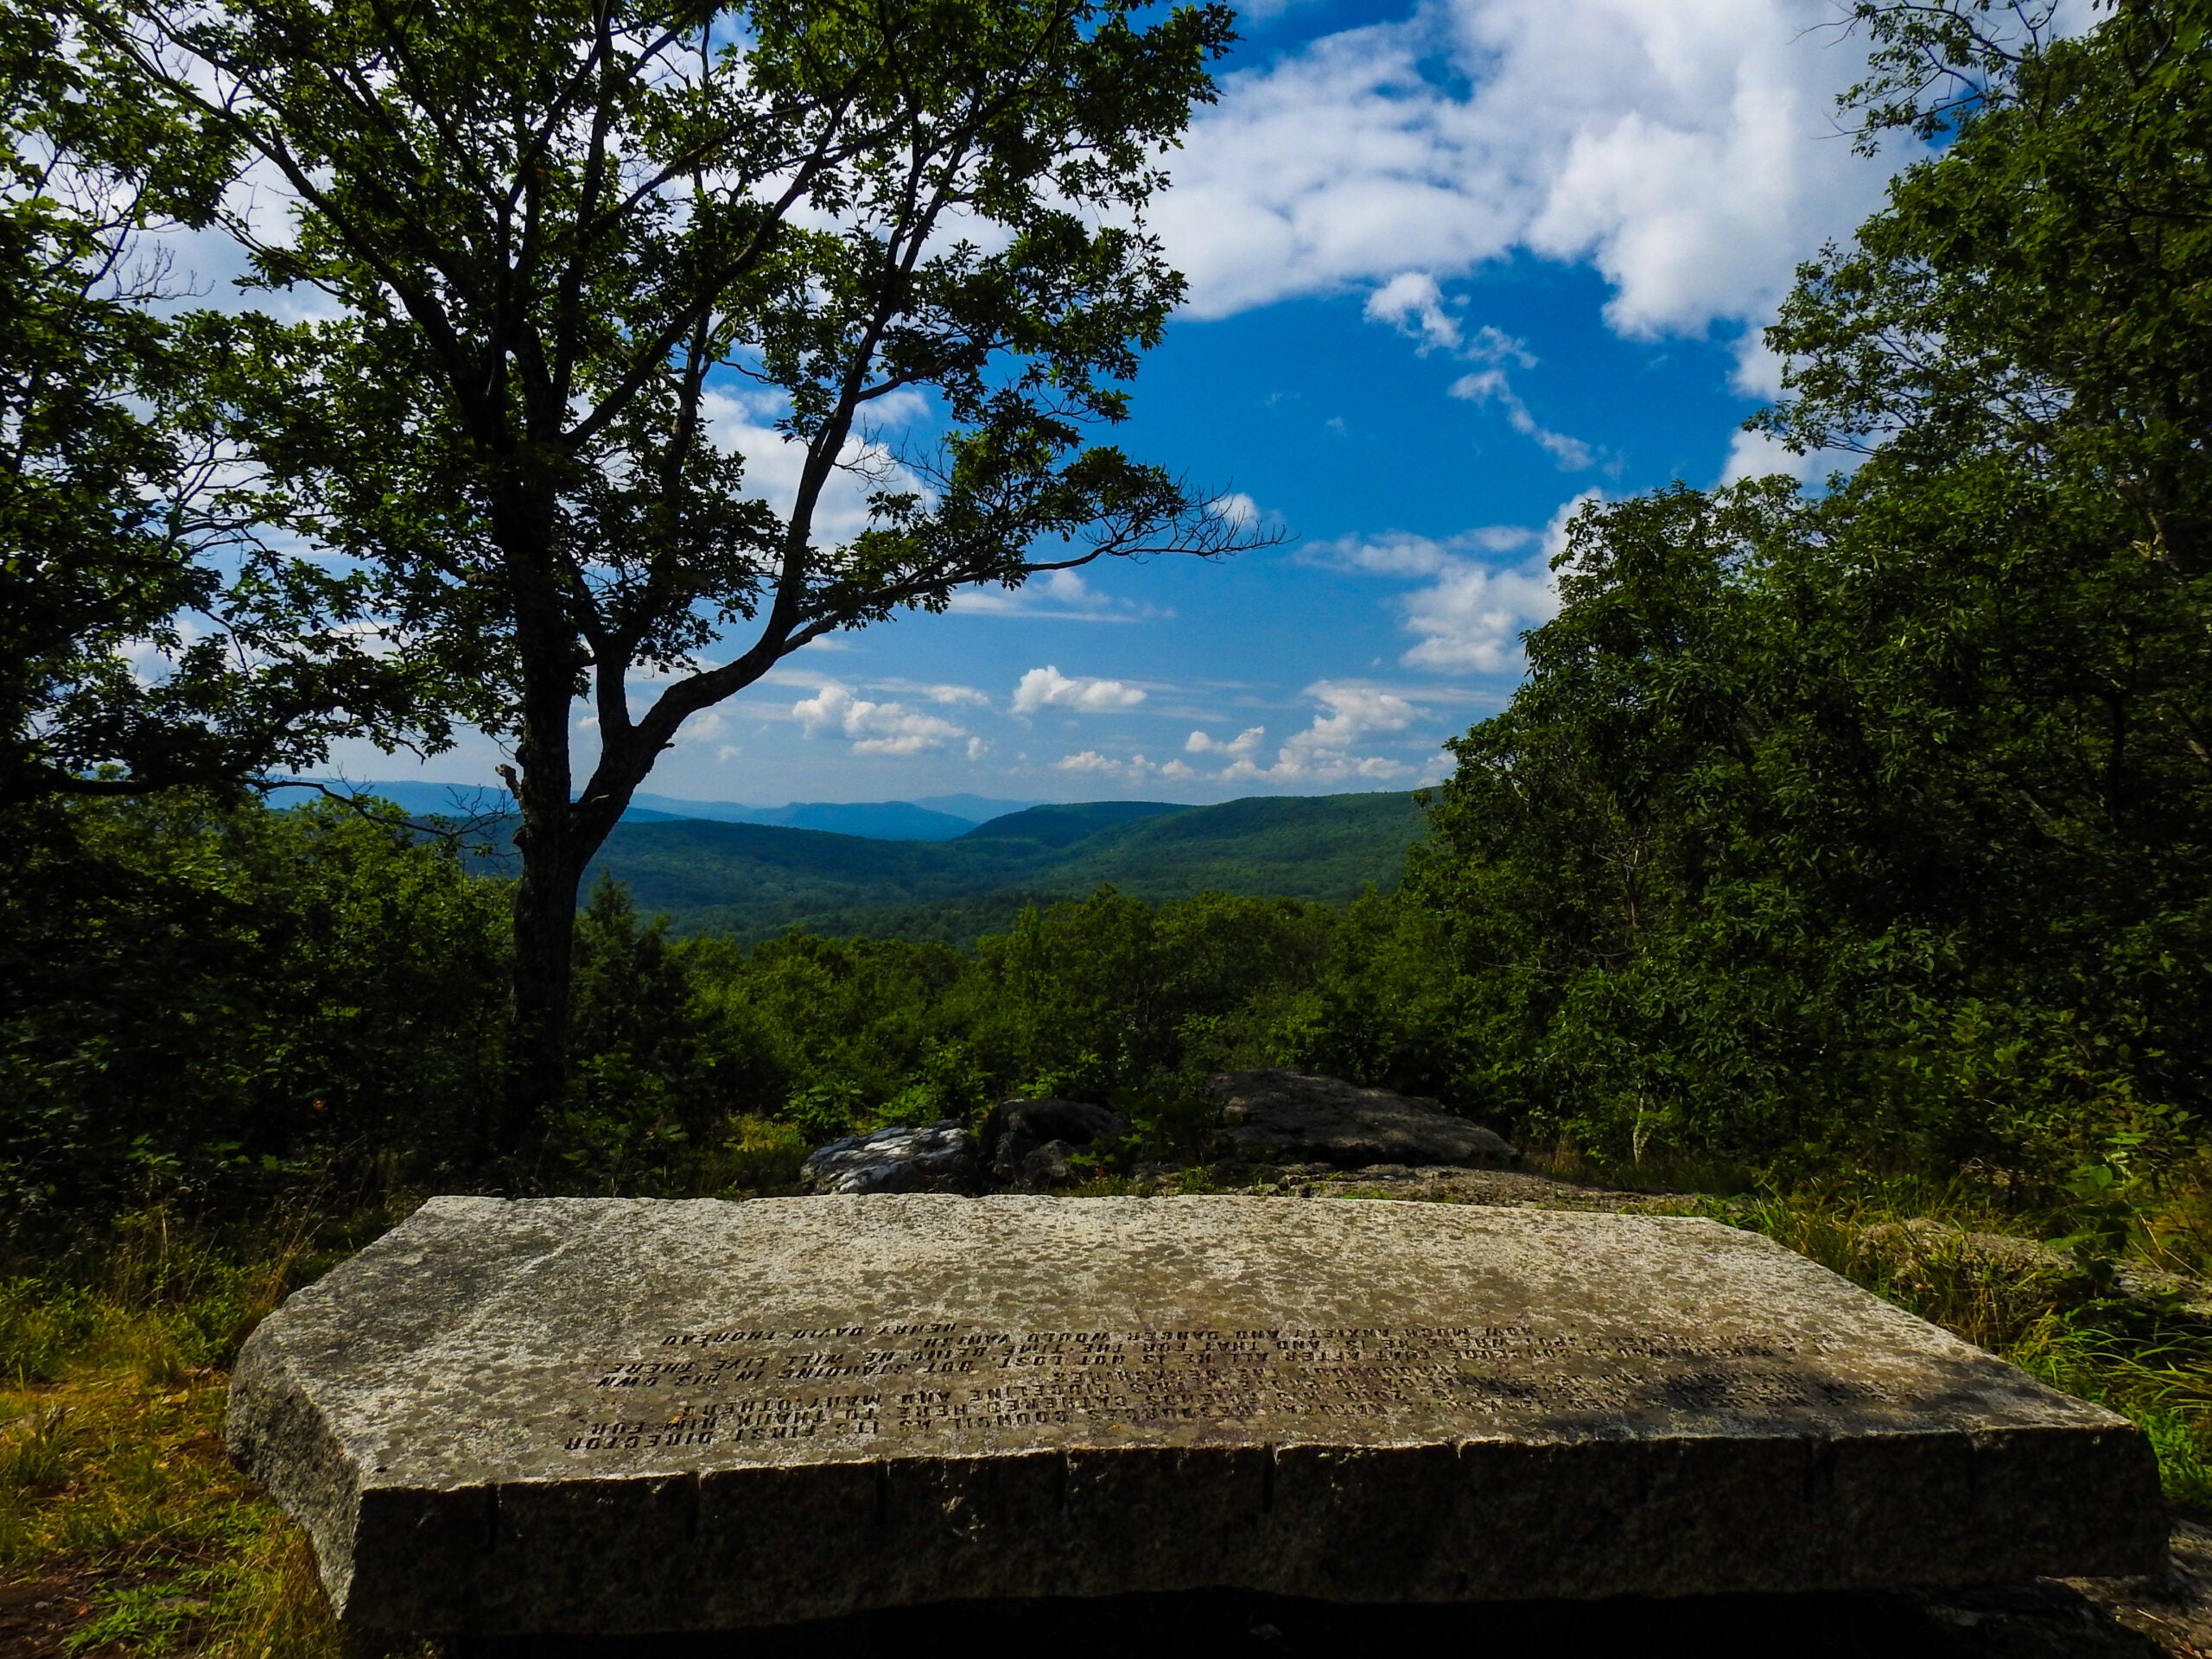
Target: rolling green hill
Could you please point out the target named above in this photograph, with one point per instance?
(752, 880)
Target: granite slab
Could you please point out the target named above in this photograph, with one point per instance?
(603, 1415)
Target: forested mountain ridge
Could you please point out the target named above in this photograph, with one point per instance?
(751, 880)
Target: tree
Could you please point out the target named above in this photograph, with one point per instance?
(2039, 290)
(553, 228)
(1880, 822)
(148, 638)
(204, 996)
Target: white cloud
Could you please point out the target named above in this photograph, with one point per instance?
(1412, 303)
(874, 727)
(1047, 687)
(1495, 346)
(1089, 761)
(1686, 149)
(1489, 385)
(1755, 455)
(1471, 612)
(774, 462)
(1062, 595)
(1236, 509)
(1350, 714)
(1472, 616)
(1354, 712)
(1243, 743)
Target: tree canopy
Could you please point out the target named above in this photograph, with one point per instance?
(1877, 822)
(152, 633)
(565, 247)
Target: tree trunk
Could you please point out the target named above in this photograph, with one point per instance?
(553, 859)
(557, 840)
(538, 1029)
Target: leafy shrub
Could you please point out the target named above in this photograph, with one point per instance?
(220, 998)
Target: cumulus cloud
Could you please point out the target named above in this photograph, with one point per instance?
(1754, 454)
(1350, 714)
(1471, 610)
(1047, 687)
(1243, 743)
(744, 424)
(1412, 303)
(1236, 509)
(1472, 618)
(1684, 148)
(873, 728)
(1090, 761)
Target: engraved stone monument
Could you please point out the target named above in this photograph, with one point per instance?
(590, 1415)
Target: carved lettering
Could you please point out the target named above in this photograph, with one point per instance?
(931, 1379)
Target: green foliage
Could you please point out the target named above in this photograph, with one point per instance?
(2135, 1353)
(205, 1002)
(150, 633)
(1875, 828)
(534, 246)
(227, 997)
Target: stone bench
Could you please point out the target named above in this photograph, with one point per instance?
(597, 1416)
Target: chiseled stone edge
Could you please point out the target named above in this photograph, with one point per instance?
(1479, 1520)
(275, 1433)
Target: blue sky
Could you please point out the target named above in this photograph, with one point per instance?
(1454, 267)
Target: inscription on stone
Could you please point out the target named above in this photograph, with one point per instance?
(907, 1382)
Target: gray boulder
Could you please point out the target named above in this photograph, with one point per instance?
(1051, 1165)
(1016, 1129)
(1290, 1117)
(935, 1158)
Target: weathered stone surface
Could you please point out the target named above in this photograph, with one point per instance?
(601, 1415)
(1287, 1117)
(935, 1158)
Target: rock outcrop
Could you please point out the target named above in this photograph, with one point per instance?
(934, 1158)
(1030, 1142)
(1292, 1118)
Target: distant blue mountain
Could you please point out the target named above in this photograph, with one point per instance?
(871, 820)
(937, 817)
(712, 811)
(752, 880)
(874, 820)
(421, 799)
(976, 809)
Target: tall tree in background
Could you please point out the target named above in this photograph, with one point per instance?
(150, 637)
(546, 226)
(1879, 822)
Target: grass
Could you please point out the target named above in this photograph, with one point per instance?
(123, 1529)
(115, 1498)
